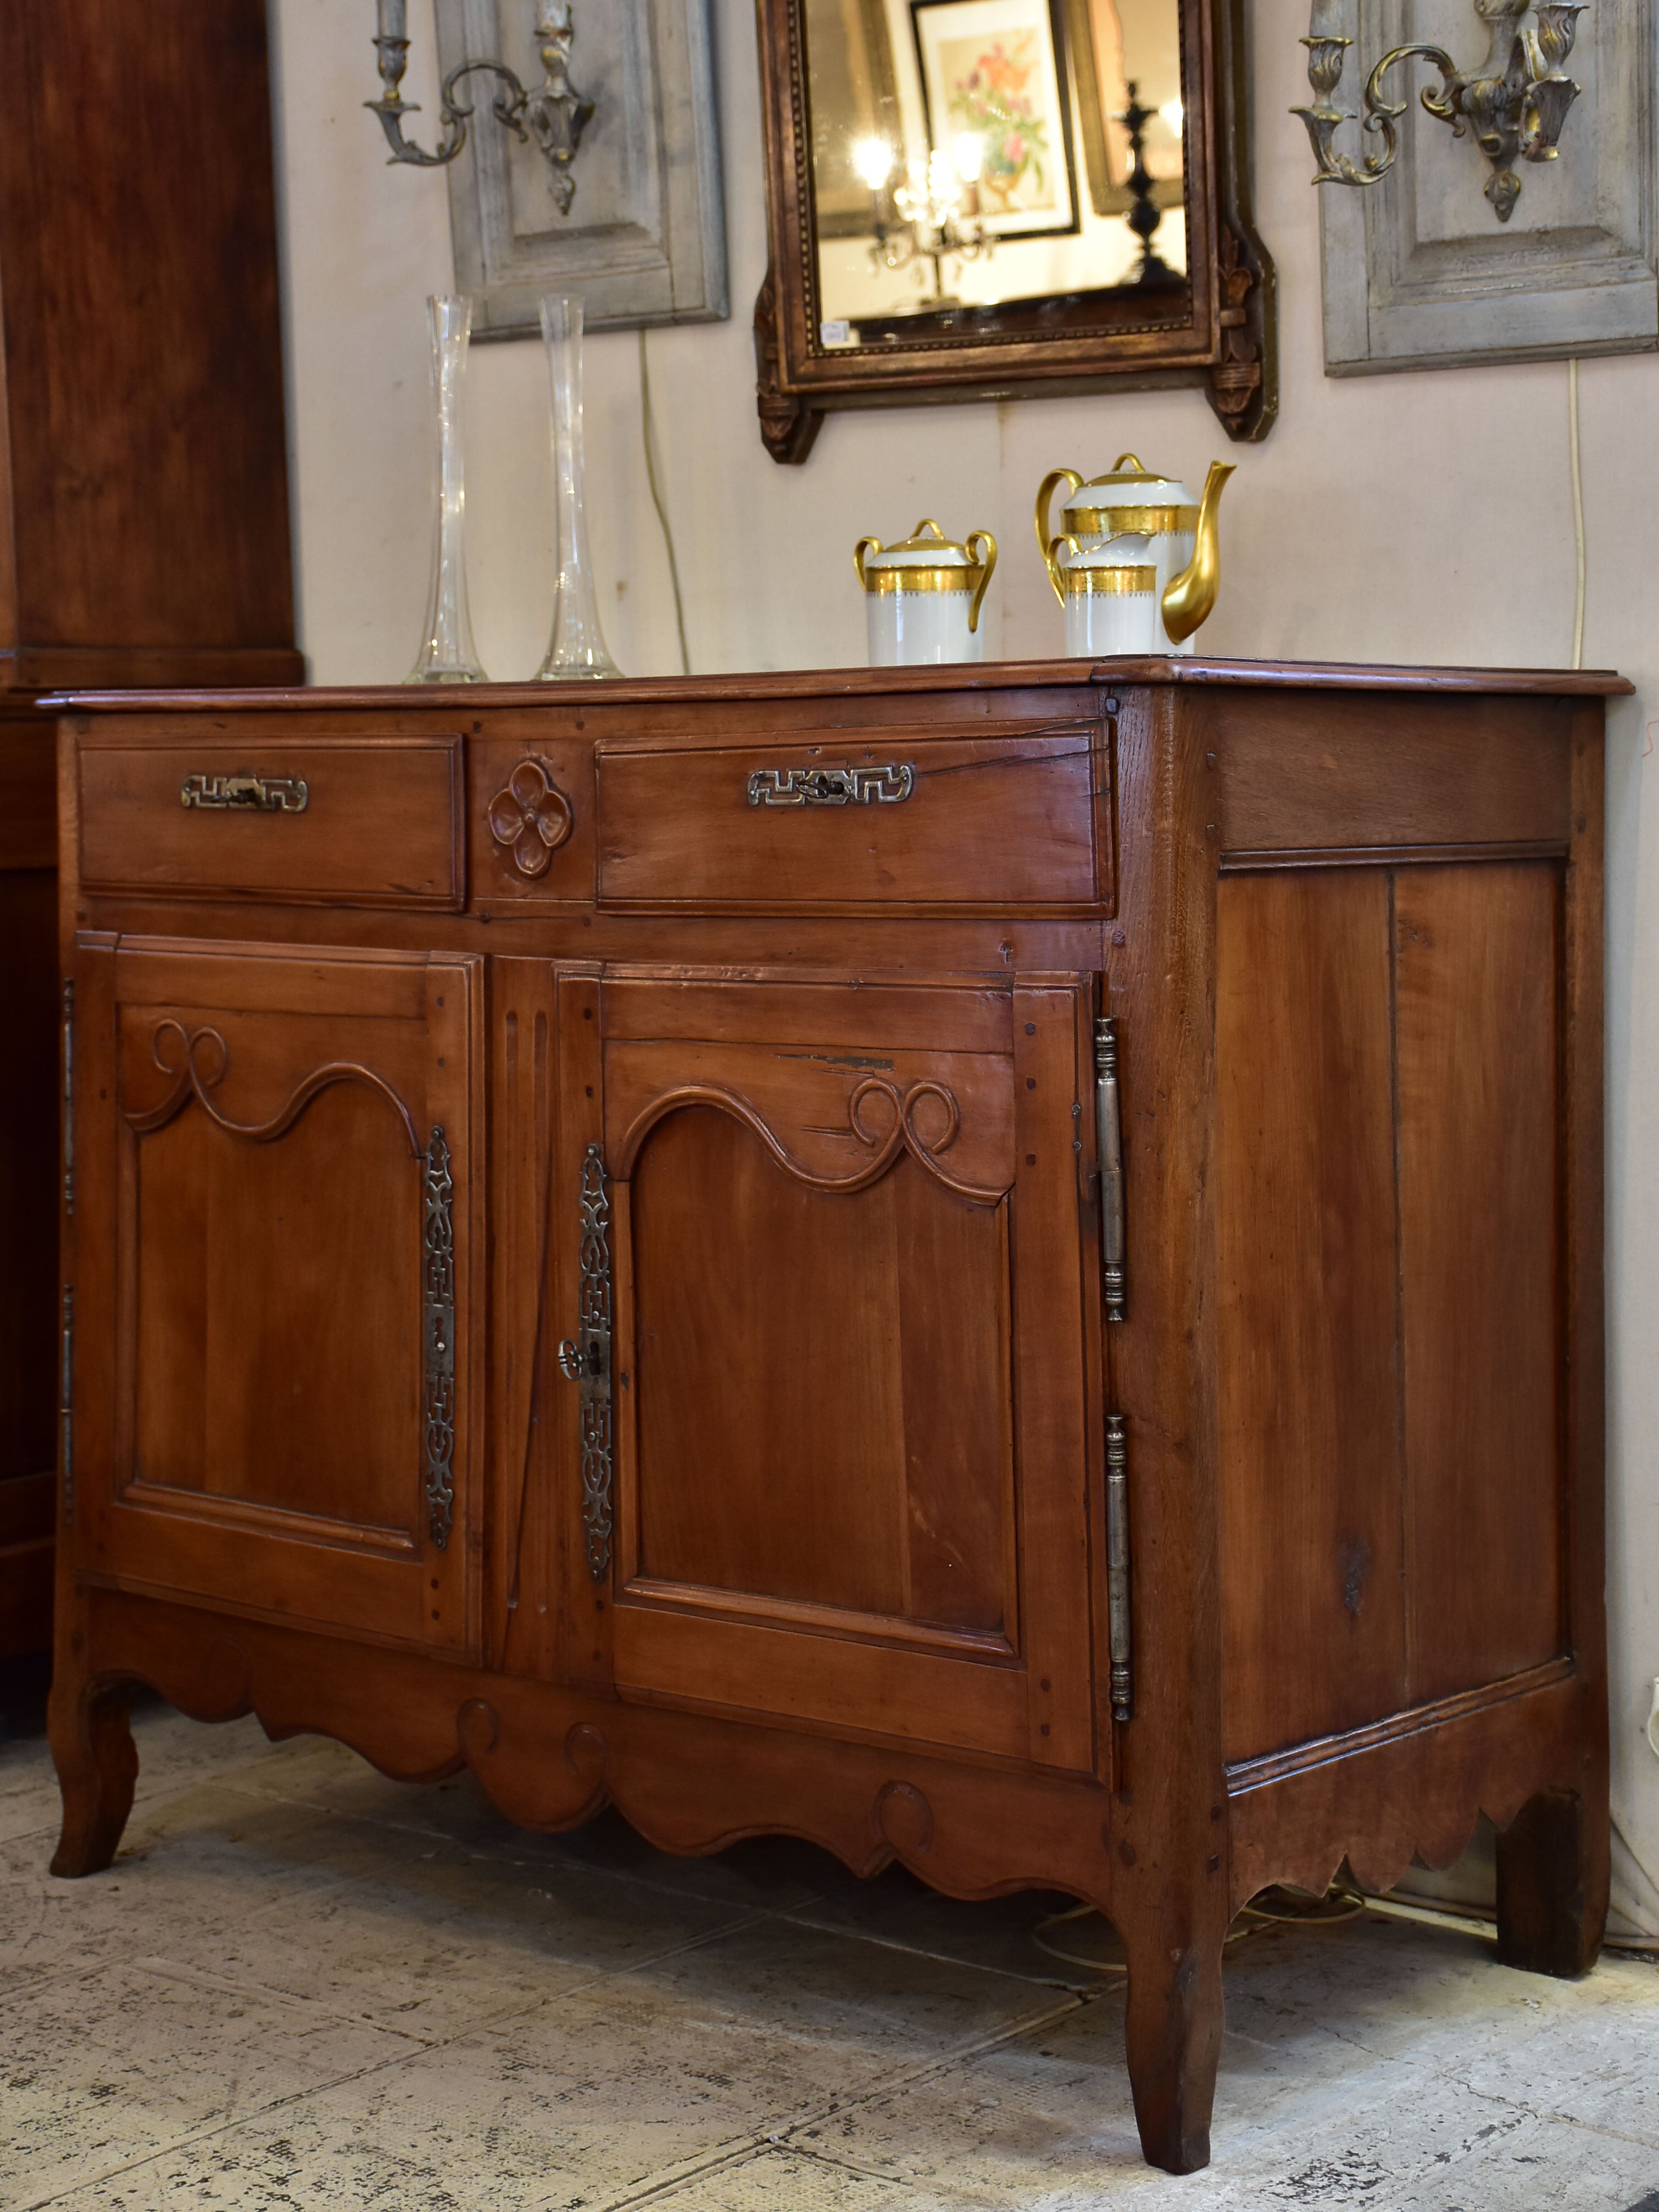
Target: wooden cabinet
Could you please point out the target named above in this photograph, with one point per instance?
(1000, 1267)
(144, 522)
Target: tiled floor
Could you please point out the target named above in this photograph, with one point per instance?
(301, 1986)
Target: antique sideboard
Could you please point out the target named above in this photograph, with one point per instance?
(1000, 1267)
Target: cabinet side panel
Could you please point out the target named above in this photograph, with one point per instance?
(142, 335)
(1310, 1487)
(1478, 961)
(29, 1110)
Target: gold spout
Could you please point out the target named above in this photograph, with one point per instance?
(1189, 597)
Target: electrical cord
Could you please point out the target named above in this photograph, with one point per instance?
(649, 432)
(1577, 515)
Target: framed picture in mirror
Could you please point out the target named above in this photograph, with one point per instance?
(981, 198)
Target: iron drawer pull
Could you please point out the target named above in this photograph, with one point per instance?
(887, 786)
(249, 794)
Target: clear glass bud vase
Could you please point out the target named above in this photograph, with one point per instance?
(576, 647)
(447, 654)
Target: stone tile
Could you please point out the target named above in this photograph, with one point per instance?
(397, 1926)
(768, 2180)
(129, 2060)
(764, 1871)
(173, 1752)
(999, 1933)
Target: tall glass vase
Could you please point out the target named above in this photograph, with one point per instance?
(447, 654)
(577, 646)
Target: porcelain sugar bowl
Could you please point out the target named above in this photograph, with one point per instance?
(922, 597)
(1109, 595)
(1132, 498)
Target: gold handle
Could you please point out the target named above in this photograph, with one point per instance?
(1135, 463)
(861, 553)
(1045, 543)
(250, 794)
(988, 561)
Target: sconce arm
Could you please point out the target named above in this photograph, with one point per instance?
(391, 108)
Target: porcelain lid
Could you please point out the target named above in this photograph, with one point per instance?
(1128, 550)
(927, 547)
(1127, 483)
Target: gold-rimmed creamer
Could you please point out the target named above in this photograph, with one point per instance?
(923, 594)
(1131, 498)
(1109, 595)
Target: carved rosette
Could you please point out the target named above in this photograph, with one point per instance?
(529, 818)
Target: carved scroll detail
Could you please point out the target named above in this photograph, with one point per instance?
(205, 1062)
(902, 1135)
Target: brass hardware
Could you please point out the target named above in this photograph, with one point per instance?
(1189, 597)
(1109, 1145)
(69, 1100)
(1118, 1644)
(1516, 103)
(529, 818)
(66, 1401)
(252, 794)
(832, 787)
(440, 1339)
(556, 112)
(585, 1360)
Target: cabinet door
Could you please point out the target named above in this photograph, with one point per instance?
(274, 1325)
(833, 1354)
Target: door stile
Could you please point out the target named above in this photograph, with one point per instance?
(524, 1379)
(1051, 1400)
(584, 1603)
(89, 1264)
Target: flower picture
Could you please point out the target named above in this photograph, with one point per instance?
(992, 82)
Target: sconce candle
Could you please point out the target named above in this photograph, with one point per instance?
(393, 19)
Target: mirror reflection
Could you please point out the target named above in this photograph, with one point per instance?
(993, 164)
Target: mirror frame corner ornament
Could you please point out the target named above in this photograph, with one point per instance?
(1228, 346)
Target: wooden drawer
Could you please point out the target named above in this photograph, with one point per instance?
(314, 819)
(907, 818)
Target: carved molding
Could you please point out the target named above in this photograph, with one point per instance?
(529, 818)
(902, 1135)
(206, 1061)
(788, 426)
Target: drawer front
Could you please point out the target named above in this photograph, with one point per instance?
(904, 819)
(304, 820)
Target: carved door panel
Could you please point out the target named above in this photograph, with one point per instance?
(274, 1329)
(834, 1356)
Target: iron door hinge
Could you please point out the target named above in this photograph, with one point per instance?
(439, 1337)
(1108, 1146)
(66, 1401)
(585, 1360)
(1120, 1645)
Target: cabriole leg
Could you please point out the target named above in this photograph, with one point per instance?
(1552, 1885)
(97, 1764)
(1174, 2046)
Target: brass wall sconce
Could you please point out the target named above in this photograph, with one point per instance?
(553, 112)
(936, 215)
(1516, 103)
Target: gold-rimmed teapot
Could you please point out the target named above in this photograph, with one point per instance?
(923, 595)
(1131, 498)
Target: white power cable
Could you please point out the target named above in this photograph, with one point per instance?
(1578, 514)
(648, 431)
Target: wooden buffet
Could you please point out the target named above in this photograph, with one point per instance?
(1001, 1268)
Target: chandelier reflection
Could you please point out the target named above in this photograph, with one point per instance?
(933, 216)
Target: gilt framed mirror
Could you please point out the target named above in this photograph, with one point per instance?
(973, 199)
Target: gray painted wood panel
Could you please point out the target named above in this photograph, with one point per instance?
(1419, 273)
(645, 238)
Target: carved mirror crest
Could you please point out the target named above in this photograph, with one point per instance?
(968, 198)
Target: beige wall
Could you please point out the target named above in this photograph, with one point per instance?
(1407, 518)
